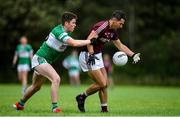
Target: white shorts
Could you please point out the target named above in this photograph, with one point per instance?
(37, 60)
(23, 67)
(83, 58)
(73, 73)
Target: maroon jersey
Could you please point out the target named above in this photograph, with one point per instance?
(105, 34)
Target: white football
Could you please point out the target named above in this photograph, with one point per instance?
(120, 58)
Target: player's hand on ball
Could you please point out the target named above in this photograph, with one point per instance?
(91, 59)
(136, 58)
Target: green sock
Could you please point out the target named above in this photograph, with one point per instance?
(21, 102)
(54, 105)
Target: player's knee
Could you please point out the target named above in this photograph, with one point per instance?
(56, 80)
(103, 85)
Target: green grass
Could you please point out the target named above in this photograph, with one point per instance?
(123, 100)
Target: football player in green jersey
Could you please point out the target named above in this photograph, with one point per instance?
(59, 38)
(22, 57)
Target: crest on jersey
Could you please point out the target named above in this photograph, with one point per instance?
(107, 37)
(104, 39)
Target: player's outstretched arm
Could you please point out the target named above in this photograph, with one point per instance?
(77, 43)
(122, 47)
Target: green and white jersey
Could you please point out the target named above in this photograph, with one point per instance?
(23, 52)
(71, 63)
(55, 43)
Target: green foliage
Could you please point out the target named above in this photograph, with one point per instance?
(156, 30)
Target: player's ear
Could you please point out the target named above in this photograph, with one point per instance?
(66, 23)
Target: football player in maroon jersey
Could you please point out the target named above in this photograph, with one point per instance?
(91, 60)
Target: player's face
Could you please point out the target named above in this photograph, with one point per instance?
(23, 40)
(118, 23)
(71, 25)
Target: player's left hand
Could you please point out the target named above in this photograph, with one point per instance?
(136, 58)
(91, 59)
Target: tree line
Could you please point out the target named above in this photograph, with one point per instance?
(152, 28)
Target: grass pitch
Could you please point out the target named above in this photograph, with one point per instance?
(122, 101)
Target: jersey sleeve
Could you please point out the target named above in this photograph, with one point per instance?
(30, 49)
(99, 27)
(63, 37)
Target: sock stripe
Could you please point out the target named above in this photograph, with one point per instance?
(21, 102)
(104, 104)
(54, 105)
(85, 94)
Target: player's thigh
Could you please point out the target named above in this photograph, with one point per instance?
(98, 77)
(38, 79)
(24, 74)
(47, 71)
(19, 75)
(103, 70)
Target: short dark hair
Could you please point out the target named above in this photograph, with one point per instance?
(118, 14)
(67, 17)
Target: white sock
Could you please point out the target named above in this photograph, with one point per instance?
(104, 104)
(85, 93)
